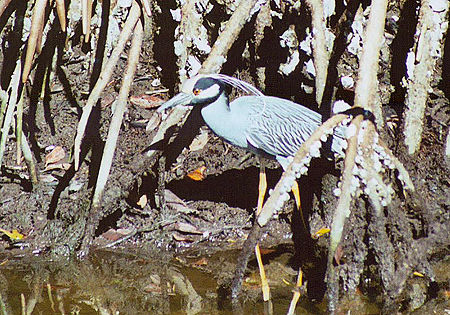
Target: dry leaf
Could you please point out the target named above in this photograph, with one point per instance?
(56, 166)
(187, 228)
(153, 122)
(339, 254)
(114, 235)
(321, 232)
(56, 155)
(13, 235)
(199, 142)
(201, 262)
(107, 100)
(198, 174)
(146, 101)
(266, 251)
(181, 238)
(142, 201)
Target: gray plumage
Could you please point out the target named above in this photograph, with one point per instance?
(256, 122)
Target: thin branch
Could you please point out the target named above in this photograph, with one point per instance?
(217, 57)
(37, 26)
(320, 53)
(430, 30)
(107, 71)
(116, 122)
(3, 5)
(61, 10)
(14, 88)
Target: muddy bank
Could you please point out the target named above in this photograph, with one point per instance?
(199, 193)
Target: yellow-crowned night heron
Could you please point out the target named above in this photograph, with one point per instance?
(261, 124)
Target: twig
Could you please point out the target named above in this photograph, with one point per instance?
(3, 5)
(217, 58)
(61, 10)
(104, 78)
(320, 53)
(116, 121)
(19, 129)
(14, 88)
(430, 30)
(4, 99)
(37, 26)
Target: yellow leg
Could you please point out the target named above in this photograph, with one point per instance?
(296, 293)
(296, 192)
(261, 193)
(261, 188)
(264, 283)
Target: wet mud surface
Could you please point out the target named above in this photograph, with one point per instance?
(171, 227)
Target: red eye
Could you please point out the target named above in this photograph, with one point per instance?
(197, 91)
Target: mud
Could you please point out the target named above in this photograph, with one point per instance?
(211, 216)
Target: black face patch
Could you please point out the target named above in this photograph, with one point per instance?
(205, 83)
(207, 90)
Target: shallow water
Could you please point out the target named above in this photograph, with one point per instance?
(110, 282)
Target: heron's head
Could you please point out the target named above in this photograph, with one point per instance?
(199, 90)
(206, 88)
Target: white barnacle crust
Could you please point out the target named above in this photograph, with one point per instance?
(296, 167)
(362, 173)
(306, 161)
(377, 166)
(328, 131)
(350, 131)
(303, 170)
(314, 150)
(355, 170)
(340, 106)
(286, 185)
(337, 192)
(355, 183)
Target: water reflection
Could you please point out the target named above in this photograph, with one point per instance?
(120, 283)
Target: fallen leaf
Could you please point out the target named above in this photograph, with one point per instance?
(114, 235)
(321, 232)
(56, 155)
(181, 238)
(265, 251)
(187, 228)
(339, 254)
(199, 142)
(142, 201)
(146, 101)
(153, 122)
(152, 288)
(418, 274)
(198, 174)
(13, 235)
(56, 166)
(107, 100)
(201, 262)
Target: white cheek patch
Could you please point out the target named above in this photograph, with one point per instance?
(210, 92)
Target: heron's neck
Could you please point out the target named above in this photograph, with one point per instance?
(217, 112)
(219, 117)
